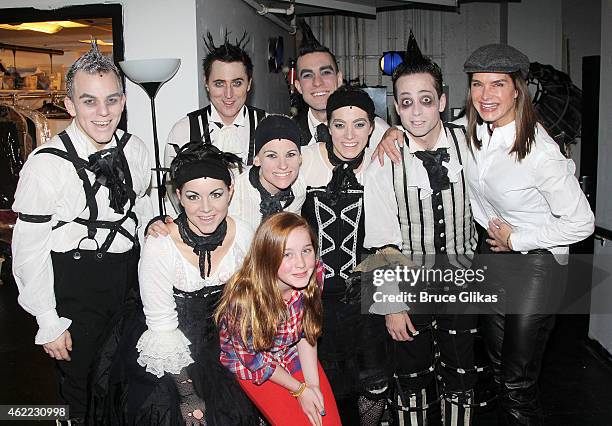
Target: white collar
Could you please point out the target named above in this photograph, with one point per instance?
(505, 134)
(82, 143)
(313, 122)
(239, 120)
(417, 175)
(442, 141)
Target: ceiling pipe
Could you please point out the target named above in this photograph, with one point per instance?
(269, 13)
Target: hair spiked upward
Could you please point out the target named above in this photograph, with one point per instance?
(309, 41)
(416, 63)
(92, 62)
(209, 42)
(413, 51)
(310, 44)
(227, 52)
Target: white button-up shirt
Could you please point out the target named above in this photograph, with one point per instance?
(49, 185)
(538, 196)
(232, 138)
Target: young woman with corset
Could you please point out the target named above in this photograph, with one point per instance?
(167, 371)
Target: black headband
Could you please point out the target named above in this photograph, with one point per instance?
(276, 127)
(348, 96)
(206, 168)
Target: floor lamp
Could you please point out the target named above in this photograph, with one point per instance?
(151, 74)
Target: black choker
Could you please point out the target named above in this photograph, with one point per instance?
(202, 245)
(269, 203)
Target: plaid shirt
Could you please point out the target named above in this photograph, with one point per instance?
(247, 364)
(258, 366)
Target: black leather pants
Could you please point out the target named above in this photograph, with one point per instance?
(516, 330)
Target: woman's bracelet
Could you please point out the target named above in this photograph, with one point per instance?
(300, 390)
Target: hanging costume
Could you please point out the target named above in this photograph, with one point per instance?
(75, 244)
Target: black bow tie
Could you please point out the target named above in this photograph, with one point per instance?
(343, 176)
(110, 167)
(323, 133)
(432, 161)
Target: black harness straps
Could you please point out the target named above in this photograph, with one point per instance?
(92, 223)
(199, 120)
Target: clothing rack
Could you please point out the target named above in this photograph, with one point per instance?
(15, 95)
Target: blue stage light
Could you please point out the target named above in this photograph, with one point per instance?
(389, 61)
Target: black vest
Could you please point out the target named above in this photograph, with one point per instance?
(199, 127)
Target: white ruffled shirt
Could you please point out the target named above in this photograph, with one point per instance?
(163, 347)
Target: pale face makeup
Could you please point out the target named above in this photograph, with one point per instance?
(228, 86)
(419, 107)
(206, 201)
(97, 105)
(279, 161)
(350, 129)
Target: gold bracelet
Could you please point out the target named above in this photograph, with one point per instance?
(300, 390)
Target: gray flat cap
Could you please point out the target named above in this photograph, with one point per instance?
(497, 58)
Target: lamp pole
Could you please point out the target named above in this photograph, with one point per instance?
(152, 87)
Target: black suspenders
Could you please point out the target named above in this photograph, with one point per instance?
(90, 190)
(252, 124)
(195, 118)
(199, 120)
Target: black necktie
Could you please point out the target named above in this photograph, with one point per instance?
(432, 161)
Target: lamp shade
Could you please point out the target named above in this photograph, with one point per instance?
(150, 70)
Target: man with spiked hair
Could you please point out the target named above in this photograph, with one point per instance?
(439, 234)
(317, 77)
(227, 122)
(81, 201)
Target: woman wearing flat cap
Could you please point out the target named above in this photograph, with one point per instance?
(526, 201)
